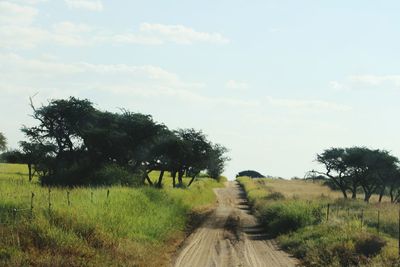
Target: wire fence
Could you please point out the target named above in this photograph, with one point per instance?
(10, 215)
(383, 222)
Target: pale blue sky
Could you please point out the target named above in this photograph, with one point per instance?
(274, 81)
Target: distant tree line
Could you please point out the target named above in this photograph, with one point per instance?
(76, 144)
(355, 169)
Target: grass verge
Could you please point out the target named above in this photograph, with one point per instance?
(296, 213)
(114, 226)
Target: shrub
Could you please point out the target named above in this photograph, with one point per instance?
(284, 217)
(275, 196)
(67, 176)
(113, 174)
(369, 245)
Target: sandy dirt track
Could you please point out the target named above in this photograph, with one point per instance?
(231, 237)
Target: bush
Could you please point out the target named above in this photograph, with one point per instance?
(75, 174)
(369, 245)
(112, 174)
(288, 216)
(275, 196)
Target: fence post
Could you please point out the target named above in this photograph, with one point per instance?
(32, 196)
(327, 213)
(69, 202)
(49, 199)
(362, 217)
(108, 193)
(379, 223)
(14, 212)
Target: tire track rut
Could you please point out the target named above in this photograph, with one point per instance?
(231, 236)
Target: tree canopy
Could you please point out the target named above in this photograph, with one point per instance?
(349, 169)
(74, 143)
(250, 173)
(3, 142)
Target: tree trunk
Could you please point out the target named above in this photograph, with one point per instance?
(367, 196)
(191, 180)
(381, 194)
(354, 191)
(30, 172)
(159, 184)
(173, 179)
(148, 178)
(391, 195)
(180, 176)
(343, 191)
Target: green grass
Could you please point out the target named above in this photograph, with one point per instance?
(295, 212)
(132, 226)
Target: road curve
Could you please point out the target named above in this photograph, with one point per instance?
(230, 237)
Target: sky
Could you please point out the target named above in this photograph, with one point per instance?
(276, 82)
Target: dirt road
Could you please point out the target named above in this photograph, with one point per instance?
(231, 237)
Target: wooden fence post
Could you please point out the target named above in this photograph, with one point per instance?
(14, 212)
(327, 213)
(362, 217)
(49, 199)
(69, 202)
(32, 196)
(379, 222)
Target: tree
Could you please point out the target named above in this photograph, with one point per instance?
(197, 156)
(73, 140)
(377, 166)
(3, 142)
(36, 156)
(393, 184)
(60, 129)
(355, 165)
(217, 161)
(350, 168)
(336, 170)
(250, 173)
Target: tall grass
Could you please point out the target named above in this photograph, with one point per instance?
(114, 226)
(296, 211)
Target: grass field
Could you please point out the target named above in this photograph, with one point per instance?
(296, 212)
(115, 226)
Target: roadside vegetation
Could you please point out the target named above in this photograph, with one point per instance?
(102, 226)
(95, 188)
(295, 211)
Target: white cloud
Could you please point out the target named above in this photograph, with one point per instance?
(233, 84)
(131, 38)
(14, 14)
(49, 76)
(181, 34)
(306, 104)
(376, 79)
(338, 85)
(92, 5)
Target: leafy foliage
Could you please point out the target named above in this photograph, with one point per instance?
(3, 142)
(374, 171)
(73, 139)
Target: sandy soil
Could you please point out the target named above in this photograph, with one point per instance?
(230, 237)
